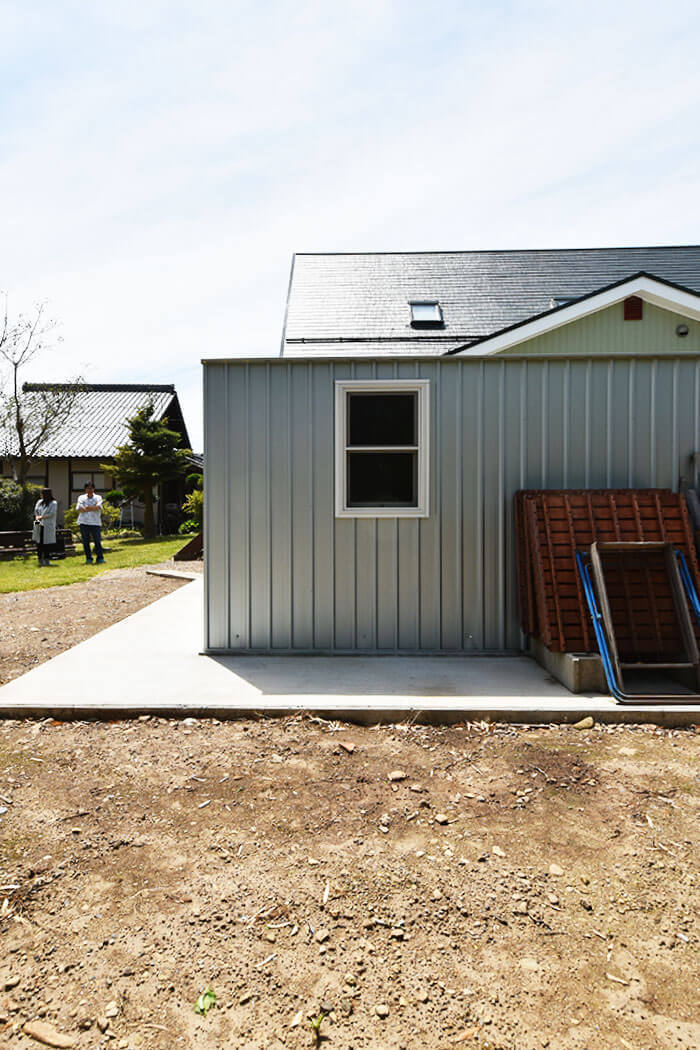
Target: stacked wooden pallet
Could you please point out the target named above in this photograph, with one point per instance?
(551, 525)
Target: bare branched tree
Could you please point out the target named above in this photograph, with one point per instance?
(30, 414)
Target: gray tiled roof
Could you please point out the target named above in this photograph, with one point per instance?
(98, 422)
(359, 302)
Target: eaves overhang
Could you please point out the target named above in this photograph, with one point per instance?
(648, 287)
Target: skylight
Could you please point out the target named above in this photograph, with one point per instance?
(426, 313)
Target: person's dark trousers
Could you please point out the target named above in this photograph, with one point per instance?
(94, 533)
(43, 549)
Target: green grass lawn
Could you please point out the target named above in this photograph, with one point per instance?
(24, 574)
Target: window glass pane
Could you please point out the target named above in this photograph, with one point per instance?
(382, 479)
(81, 478)
(425, 312)
(382, 419)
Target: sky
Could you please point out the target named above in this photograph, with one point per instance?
(161, 162)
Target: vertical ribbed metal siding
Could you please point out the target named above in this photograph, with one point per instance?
(282, 573)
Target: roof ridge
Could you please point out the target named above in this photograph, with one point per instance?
(517, 251)
(113, 388)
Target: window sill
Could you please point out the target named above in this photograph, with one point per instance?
(382, 512)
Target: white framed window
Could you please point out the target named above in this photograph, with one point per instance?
(381, 448)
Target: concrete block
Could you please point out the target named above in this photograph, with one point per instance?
(579, 672)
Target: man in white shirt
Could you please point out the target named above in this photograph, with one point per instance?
(89, 508)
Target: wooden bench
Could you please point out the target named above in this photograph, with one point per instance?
(13, 544)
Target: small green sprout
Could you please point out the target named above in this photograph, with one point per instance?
(205, 1001)
(316, 1023)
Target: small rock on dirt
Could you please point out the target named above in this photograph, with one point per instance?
(47, 1034)
(466, 1036)
(555, 870)
(442, 818)
(396, 775)
(498, 852)
(381, 1010)
(585, 723)
(322, 936)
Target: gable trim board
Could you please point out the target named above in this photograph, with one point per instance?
(651, 289)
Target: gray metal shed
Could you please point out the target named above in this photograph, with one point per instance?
(285, 572)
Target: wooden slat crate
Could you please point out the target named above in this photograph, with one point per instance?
(551, 525)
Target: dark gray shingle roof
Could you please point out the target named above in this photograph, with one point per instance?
(358, 303)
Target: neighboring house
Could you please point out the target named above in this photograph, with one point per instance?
(359, 487)
(77, 452)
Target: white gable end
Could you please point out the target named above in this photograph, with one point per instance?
(658, 293)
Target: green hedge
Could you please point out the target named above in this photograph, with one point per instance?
(17, 505)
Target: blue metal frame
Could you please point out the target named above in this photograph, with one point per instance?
(596, 616)
(692, 594)
(614, 686)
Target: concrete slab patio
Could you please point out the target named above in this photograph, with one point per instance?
(150, 663)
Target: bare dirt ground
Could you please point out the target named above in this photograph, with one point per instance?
(37, 625)
(469, 886)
